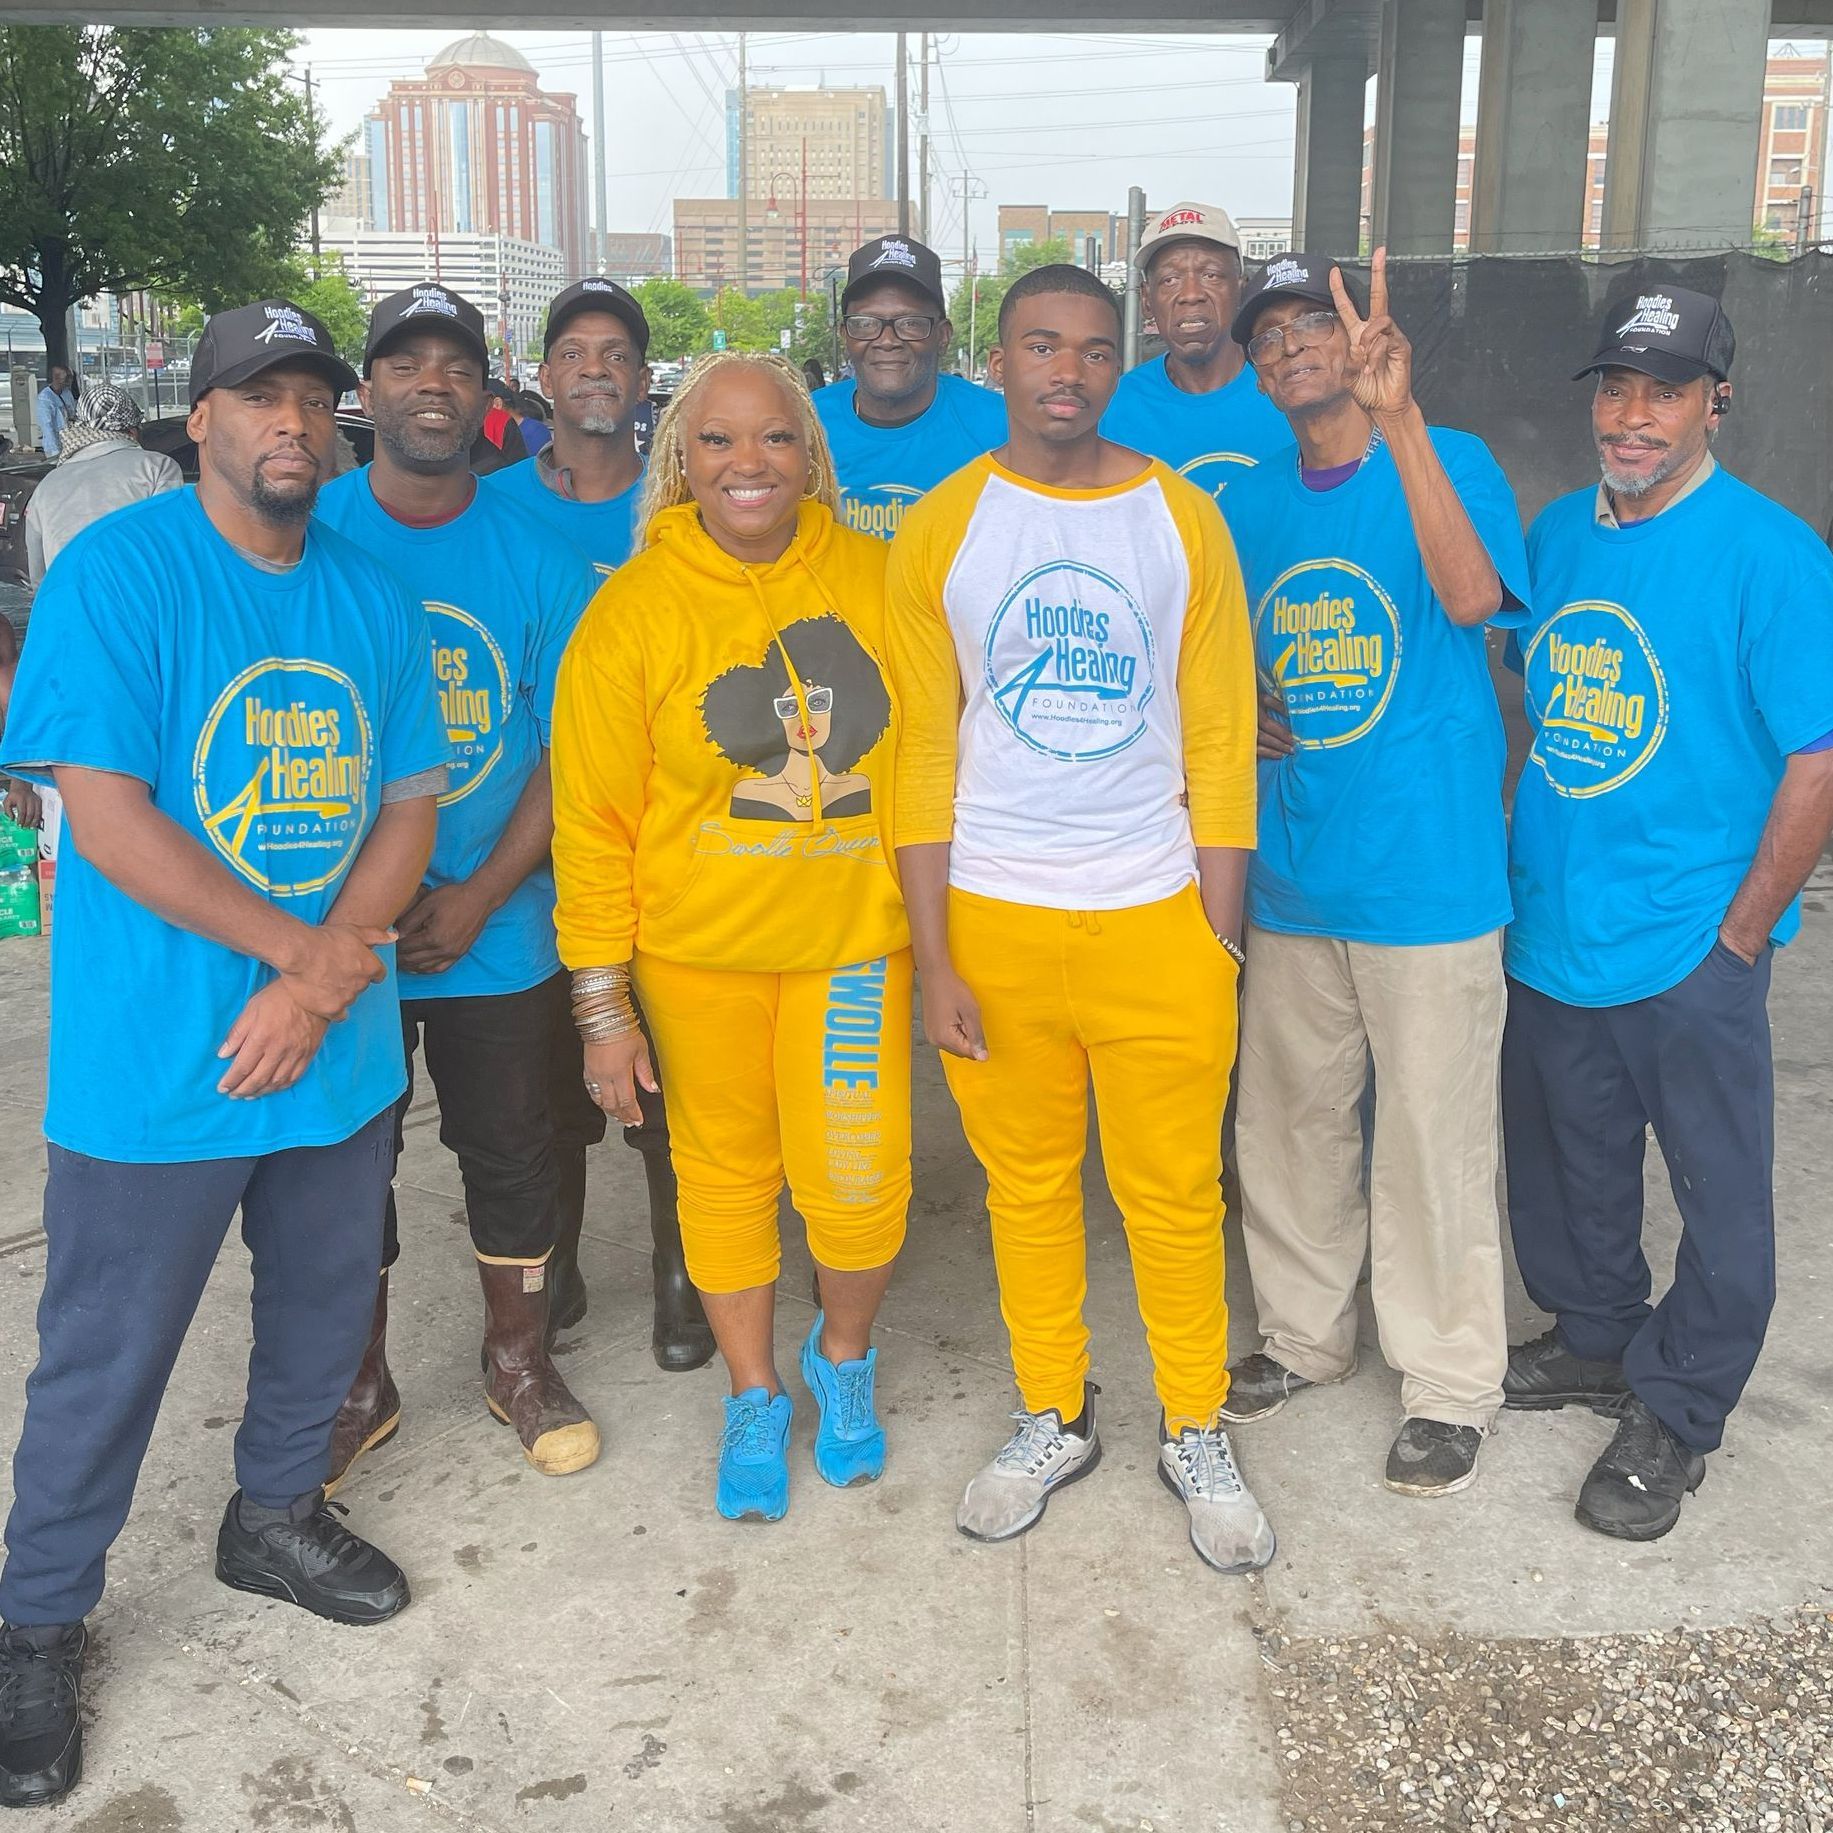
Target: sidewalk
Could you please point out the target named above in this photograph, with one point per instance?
(602, 1653)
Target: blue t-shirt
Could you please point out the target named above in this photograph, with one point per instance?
(1385, 825)
(1209, 439)
(1672, 666)
(265, 712)
(603, 532)
(500, 610)
(535, 434)
(883, 470)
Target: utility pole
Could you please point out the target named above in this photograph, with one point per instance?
(311, 103)
(598, 147)
(744, 172)
(1131, 314)
(923, 140)
(903, 134)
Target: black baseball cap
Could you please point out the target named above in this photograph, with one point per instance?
(1668, 333)
(245, 340)
(1286, 277)
(427, 306)
(896, 257)
(596, 294)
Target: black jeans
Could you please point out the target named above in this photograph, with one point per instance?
(1580, 1087)
(509, 1074)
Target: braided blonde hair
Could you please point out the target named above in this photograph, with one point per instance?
(665, 484)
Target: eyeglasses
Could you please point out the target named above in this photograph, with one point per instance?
(907, 327)
(1306, 331)
(820, 700)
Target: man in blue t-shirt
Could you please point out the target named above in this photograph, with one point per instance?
(586, 487)
(1679, 676)
(898, 426)
(235, 706)
(481, 982)
(1198, 407)
(1375, 550)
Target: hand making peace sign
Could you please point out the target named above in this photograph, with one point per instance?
(1380, 356)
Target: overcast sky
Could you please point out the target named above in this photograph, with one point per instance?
(1068, 121)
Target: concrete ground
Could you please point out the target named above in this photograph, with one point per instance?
(602, 1652)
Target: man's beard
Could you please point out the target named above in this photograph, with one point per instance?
(425, 448)
(283, 509)
(1633, 484)
(597, 411)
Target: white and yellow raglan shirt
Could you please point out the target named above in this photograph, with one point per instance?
(1076, 678)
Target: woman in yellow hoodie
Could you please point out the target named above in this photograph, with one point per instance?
(723, 744)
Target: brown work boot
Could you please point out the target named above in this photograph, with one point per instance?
(521, 1385)
(371, 1412)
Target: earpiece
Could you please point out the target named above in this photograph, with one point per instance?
(1721, 403)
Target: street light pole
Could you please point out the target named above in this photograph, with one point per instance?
(903, 135)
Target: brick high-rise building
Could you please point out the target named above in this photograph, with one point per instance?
(477, 147)
(842, 131)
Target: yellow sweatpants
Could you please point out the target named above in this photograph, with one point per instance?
(1144, 1001)
(774, 1076)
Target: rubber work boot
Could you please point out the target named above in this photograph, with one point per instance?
(41, 1718)
(303, 1554)
(682, 1339)
(565, 1283)
(522, 1387)
(371, 1412)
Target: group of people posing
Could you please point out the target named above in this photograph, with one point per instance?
(1091, 712)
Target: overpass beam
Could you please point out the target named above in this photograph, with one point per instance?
(1685, 123)
(1528, 192)
(1420, 80)
(1327, 171)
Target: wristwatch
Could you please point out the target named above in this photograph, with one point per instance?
(1233, 949)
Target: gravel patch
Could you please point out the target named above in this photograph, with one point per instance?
(1710, 1731)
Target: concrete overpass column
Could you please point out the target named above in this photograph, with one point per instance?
(1327, 172)
(1421, 79)
(1685, 123)
(1533, 126)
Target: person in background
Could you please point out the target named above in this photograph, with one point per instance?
(481, 986)
(585, 485)
(814, 375)
(1199, 407)
(898, 426)
(723, 749)
(20, 800)
(1679, 676)
(101, 466)
(235, 704)
(531, 415)
(1075, 793)
(56, 405)
(1376, 550)
(499, 443)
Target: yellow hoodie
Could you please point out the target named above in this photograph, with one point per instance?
(723, 746)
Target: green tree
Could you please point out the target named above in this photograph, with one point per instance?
(678, 322)
(331, 297)
(180, 160)
(989, 292)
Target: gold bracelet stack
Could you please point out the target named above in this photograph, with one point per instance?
(602, 1006)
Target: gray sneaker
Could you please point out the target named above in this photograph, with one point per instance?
(1259, 1387)
(1009, 1495)
(1227, 1526)
(1431, 1457)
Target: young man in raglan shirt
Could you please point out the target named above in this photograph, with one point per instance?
(1679, 674)
(1199, 406)
(1075, 806)
(235, 704)
(585, 486)
(899, 426)
(481, 982)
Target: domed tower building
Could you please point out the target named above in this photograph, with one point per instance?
(476, 147)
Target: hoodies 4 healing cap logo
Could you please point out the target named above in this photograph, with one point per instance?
(432, 299)
(1070, 662)
(1285, 273)
(895, 254)
(1654, 314)
(285, 321)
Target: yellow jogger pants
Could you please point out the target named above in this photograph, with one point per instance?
(1144, 1001)
(774, 1076)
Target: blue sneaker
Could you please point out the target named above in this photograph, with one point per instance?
(754, 1457)
(849, 1441)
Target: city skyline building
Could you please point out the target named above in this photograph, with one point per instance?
(841, 135)
(706, 239)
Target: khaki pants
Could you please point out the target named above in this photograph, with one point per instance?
(1317, 1011)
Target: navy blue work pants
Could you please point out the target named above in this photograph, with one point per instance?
(1580, 1087)
(130, 1248)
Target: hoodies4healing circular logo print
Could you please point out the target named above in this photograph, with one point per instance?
(473, 681)
(1329, 636)
(1215, 471)
(1070, 662)
(1598, 698)
(280, 775)
(877, 509)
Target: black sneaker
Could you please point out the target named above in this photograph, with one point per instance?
(1431, 1457)
(1545, 1374)
(305, 1556)
(1259, 1387)
(41, 1722)
(1634, 1491)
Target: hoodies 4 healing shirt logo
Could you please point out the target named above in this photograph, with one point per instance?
(1070, 662)
(1597, 696)
(1330, 638)
(472, 676)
